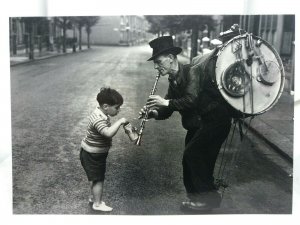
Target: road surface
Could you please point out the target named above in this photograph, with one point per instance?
(51, 101)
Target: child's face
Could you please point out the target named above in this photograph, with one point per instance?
(112, 110)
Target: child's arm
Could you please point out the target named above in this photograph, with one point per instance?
(113, 129)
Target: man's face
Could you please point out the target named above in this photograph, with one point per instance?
(162, 64)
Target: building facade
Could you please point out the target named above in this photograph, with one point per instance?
(45, 33)
(42, 34)
(119, 30)
(279, 31)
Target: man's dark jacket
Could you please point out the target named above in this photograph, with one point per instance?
(193, 94)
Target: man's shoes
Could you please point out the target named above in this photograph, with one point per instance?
(102, 207)
(203, 201)
(195, 206)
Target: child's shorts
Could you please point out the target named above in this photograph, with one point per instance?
(94, 165)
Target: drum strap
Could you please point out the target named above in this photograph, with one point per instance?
(203, 61)
(208, 90)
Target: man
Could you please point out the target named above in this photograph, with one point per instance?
(204, 116)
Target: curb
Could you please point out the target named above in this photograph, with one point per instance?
(270, 142)
(28, 61)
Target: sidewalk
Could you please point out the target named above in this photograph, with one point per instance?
(276, 126)
(22, 57)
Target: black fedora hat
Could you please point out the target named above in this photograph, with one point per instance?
(163, 45)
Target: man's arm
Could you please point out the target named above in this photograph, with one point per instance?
(158, 106)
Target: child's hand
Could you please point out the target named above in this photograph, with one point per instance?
(123, 121)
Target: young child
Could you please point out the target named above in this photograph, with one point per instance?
(98, 140)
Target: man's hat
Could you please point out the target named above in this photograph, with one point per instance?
(163, 45)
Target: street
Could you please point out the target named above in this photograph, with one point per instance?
(51, 100)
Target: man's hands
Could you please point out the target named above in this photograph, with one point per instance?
(152, 113)
(153, 102)
(156, 100)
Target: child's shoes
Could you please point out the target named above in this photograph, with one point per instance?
(102, 207)
(91, 200)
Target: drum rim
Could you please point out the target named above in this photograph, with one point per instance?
(281, 68)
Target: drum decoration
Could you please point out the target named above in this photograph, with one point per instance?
(249, 74)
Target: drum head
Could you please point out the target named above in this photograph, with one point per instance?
(250, 81)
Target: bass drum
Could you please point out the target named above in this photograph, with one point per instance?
(249, 74)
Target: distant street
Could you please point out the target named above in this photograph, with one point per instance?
(51, 102)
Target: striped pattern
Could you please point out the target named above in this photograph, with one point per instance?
(94, 137)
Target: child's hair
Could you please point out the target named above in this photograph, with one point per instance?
(109, 96)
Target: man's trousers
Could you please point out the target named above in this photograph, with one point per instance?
(202, 147)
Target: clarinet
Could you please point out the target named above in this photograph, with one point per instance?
(142, 126)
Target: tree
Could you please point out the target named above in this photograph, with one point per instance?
(79, 22)
(156, 24)
(196, 23)
(163, 24)
(30, 25)
(90, 21)
(13, 35)
(177, 23)
(65, 23)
